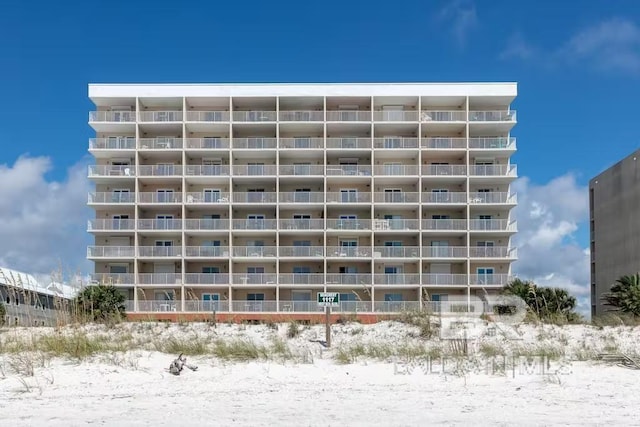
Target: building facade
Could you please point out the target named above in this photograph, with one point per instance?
(255, 197)
(614, 203)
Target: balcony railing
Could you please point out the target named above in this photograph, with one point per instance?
(301, 251)
(112, 116)
(160, 170)
(254, 278)
(206, 279)
(492, 252)
(112, 170)
(489, 279)
(395, 224)
(443, 116)
(395, 116)
(349, 143)
(207, 143)
(206, 251)
(255, 197)
(207, 170)
(254, 224)
(444, 224)
(300, 306)
(302, 224)
(160, 224)
(160, 116)
(254, 116)
(255, 170)
(301, 143)
(113, 143)
(113, 278)
(396, 197)
(348, 170)
(301, 279)
(492, 143)
(207, 197)
(493, 170)
(348, 116)
(206, 306)
(160, 143)
(444, 143)
(348, 279)
(208, 116)
(492, 197)
(396, 252)
(444, 251)
(492, 225)
(301, 116)
(395, 306)
(444, 170)
(255, 251)
(349, 251)
(206, 224)
(160, 197)
(301, 170)
(117, 197)
(435, 279)
(444, 197)
(254, 143)
(396, 170)
(492, 116)
(112, 224)
(393, 143)
(254, 306)
(349, 197)
(349, 224)
(159, 251)
(110, 252)
(396, 279)
(160, 279)
(158, 305)
(302, 197)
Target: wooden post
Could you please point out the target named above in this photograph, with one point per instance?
(328, 325)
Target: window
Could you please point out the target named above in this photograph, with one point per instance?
(122, 195)
(164, 169)
(254, 275)
(255, 142)
(120, 221)
(302, 195)
(485, 276)
(210, 270)
(393, 297)
(348, 195)
(211, 142)
(212, 166)
(211, 302)
(302, 142)
(393, 195)
(211, 195)
(255, 195)
(255, 297)
(255, 168)
(164, 222)
(164, 196)
(440, 195)
(393, 168)
(392, 141)
(302, 168)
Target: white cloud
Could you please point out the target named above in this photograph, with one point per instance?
(517, 47)
(548, 217)
(43, 223)
(461, 18)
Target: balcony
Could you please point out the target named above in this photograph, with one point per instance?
(254, 279)
(395, 143)
(396, 279)
(208, 116)
(206, 279)
(302, 170)
(160, 224)
(396, 252)
(396, 197)
(493, 170)
(444, 224)
(349, 251)
(301, 251)
(302, 197)
(493, 197)
(301, 279)
(492, 116)
(444, 143)
(493, 252)
(254, 224)
(254, 306)
(300, 306)
(255, 251)
(395, 116)
(112, 116)
(156, 305)
(110, 252)
(255, 116)
(348, 224)
(159, 197)
(159, 251)
(112, 224)
(207, 143)
(500, 143)
(195, 306)
(434, 279)
(489, 279)
(395, 224)
(395, 306)
(206, 197)
(349, 116)
(254, 170)
(160, 116)
(444, 170)
(349, 197)
(113, 278)
(160, 143)
(207, 170)
(206, 224)
(206, 251)
(255, 197)
(113, 143)
(301, 116)
(492, 225)
(302, 224)
(301, 143)
(160, 279)
(160, 170)
(111, 171)
(443, 116)
(348, 170)
(254, 143)
(349, 143)
(396, 170)
(348, 279)
(114, 197)
(444, 197)
(439, 252)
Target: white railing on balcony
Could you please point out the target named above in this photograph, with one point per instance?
(207, 170)
(160, 278)
(208, 116)
(159, 170)
(349, 170)
(254, 116)
(160, 116)
(349, 143)
(159, 251)
(353, 307)
(113, 143)
(396, 279)
(395, 224)
(301, 143)
(257, 143)
(301, 251)
(396, 170)
(160, 197)
(392, 143)
(396, 197)
(110, 251)
(492, 252)
(254, 278)
(349, 224)
(206, 224)
(349, 251)
(160, 224)
(348, 279)
(255, 197)
(492, 197)
(112, 116)
(112, 170)
(437, 279)
(206, 279)
(254, 306)
(254, 170)
(160, 143)
(301, 279)
(395, 116)
(489, 279)
(492, 116)
(300, 306)
(444, 197)
(206, 306)
(348, 116)
(255, 251)
(444, 143)
(444, 224)
(395, 306)
(492, 225)
(112, 197)
(396, 252)
(301, 170)
(443, 116)
(349, 197)
(301, 116)
(302, 224)
(159, 305)
(212, 143)
(492, 143)
(207, 197)
(113, 278)
(254, 224)
(444, 252)
(301, 197)
(112, 224)
(493, 170)
(206, 251)
(444, 170)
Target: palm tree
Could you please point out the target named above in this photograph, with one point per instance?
(624, 295)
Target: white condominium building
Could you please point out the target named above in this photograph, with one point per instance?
(252, 198)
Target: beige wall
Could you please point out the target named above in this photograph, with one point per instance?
(268, 212)
(335, 240)
(242, 240)
(241, 294)
(198, 240)
(381, 211)
(241, 267)
(406, 188)
(410, 267)
(105, 240)
(406, 240)
(196, 267)
(407, 294)
(333, 267)
(453, 213)
(223, 211)
(151, 240)
(288, 239)
(456, 268)
(287, 267)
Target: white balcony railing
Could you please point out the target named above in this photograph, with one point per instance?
(443, 116)
(206, 224)
(349, 116)
(301, 279)
(492, 197)
(206, 251)
(160, 197)
(159, 251)
(254, 278)
(255, 170)
(393, 143)
(435, 279)
(255, 251)
(207, 197)
(444, 224)
(211, 143)
(349, 224)
(492, 225)
(255, 197)
(396, 252)
(489, 279)
(492, 143)
(349, 251)
(160, 224)
(208, 116)
(254, 143)
(349, 143)
(112, 116)
(160, 170)
(301, 116)
(395, 116)
(348, 170)
(395, 224)
(493, 170)
(301, 197)
(348, 279)
(395, 306)
(444, 197)
(207, 170)
(492, 116)
(111, 224)
(302, 224)
(444, 143)
(301, 143)
(113, 143)
(396, 279)
(113, 278)
(396, 197)
(158, 306)
(301, 251)
(444, 170)
(115, 197)
(254, 224)
(349, 197)
(301, 170)
(492, 252)
(164, 143)
(206, 306)
(160, 116)
(444, 252)
(160, 279)
(393, 169)
(254, 116)
(110, 252)
(206, 279)
(112, 170)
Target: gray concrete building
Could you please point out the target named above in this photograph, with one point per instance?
(614, 210)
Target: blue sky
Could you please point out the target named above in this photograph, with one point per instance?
(577, 67)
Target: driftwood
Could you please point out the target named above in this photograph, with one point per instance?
(179, 364)
(621, 360)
